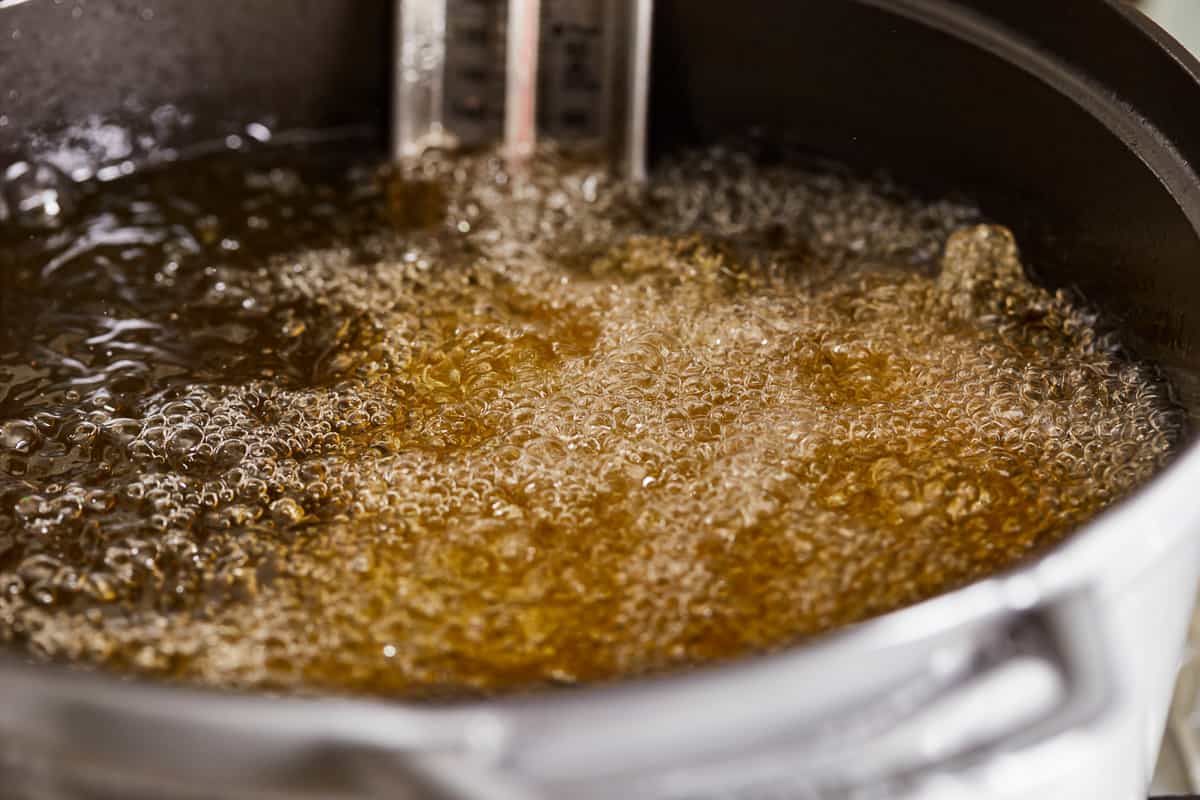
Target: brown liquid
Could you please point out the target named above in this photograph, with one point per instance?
(306, 428)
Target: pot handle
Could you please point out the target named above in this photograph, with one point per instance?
(993, 690)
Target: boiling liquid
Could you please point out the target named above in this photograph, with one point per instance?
(277, 422)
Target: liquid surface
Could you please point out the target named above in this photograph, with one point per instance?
(279, 422)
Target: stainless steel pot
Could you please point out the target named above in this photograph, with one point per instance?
(1077, 122)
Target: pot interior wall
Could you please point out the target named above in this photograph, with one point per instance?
(849, 80)
(68, 67)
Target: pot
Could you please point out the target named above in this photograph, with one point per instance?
(1076, 123)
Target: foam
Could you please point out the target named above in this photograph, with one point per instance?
(519, 430)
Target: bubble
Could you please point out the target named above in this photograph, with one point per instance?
(183, 438)
(37, 195)
(482, 431)
(285, 509)
(19, 436)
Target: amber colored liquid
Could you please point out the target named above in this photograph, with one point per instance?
(314, 427)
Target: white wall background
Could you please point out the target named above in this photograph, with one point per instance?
(1180, 17)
